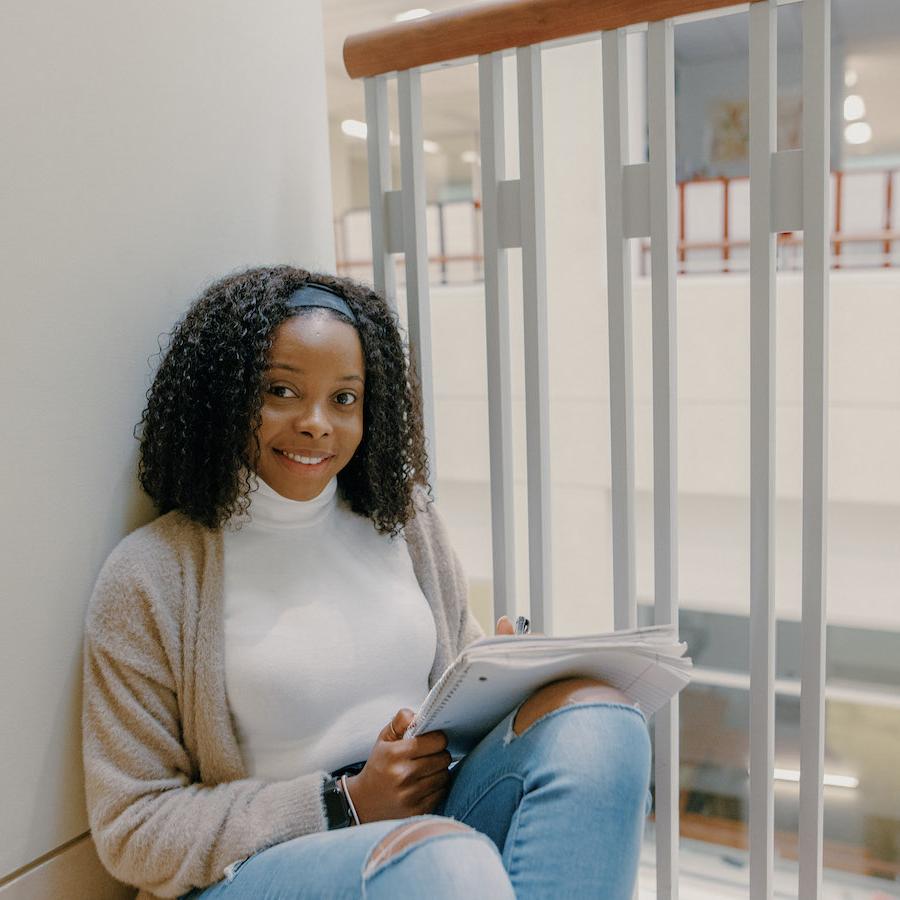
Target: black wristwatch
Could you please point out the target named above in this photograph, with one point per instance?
(337, 809)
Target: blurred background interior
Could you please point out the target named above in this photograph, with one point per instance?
(862, 794)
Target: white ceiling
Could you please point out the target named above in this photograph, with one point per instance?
(450, 107)
(855, 22)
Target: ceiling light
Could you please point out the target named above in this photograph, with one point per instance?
(832, 780)
(850, 78)
(854, 107)
(471, 157)
(411, 14)
(858, 133)
(354, 128)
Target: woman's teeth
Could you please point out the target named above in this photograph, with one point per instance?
(306, 460)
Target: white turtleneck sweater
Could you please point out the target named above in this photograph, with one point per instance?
(327, 633)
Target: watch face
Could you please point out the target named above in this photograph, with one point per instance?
(337, 809)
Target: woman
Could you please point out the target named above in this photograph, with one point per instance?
(253, 656)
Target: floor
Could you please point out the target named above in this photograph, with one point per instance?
(711, 872)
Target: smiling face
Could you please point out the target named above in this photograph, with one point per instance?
(312, 411)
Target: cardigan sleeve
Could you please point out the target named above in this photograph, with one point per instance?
(451, 574)
(154, 824)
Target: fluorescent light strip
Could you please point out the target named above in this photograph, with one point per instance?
(354, 128)
(831, 780)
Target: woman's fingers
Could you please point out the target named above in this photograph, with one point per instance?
(411, 771)
(437, 781)
(505, 626)
(427, 744)
(427, 804)
(395, 729)
(429, 765)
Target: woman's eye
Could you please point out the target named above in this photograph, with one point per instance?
(281, 390)
(346, 398)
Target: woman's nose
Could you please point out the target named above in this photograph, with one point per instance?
(313, 421)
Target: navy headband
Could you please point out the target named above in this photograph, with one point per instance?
(320, 295)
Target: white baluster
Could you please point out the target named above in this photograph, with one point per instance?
(379, 159)
(663, 237)
(415, 245)
(621, 375)
(534, 301)
(816, 259)
(763, 145)
(496, 311)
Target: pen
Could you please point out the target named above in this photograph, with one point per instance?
(522, 625)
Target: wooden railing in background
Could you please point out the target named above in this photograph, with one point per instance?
(477, 30)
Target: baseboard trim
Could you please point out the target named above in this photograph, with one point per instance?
(71, 871)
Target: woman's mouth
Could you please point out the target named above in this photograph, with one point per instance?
(302, 462)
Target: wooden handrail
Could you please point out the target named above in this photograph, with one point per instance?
(486, 28)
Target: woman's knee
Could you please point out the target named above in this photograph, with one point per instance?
(605, 746)
(617, 760)
(563, 693)
(394, 842)
(451, 858)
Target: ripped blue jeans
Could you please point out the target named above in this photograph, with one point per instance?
(556, 811)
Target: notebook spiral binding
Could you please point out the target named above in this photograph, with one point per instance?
(431, 711)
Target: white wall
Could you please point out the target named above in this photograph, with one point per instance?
(148, 148)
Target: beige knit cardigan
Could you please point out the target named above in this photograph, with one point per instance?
(169, 800)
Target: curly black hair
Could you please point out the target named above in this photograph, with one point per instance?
(198, 433)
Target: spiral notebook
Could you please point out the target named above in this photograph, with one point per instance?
(493, 675)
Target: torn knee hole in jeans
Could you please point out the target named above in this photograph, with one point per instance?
(396, 841)
(513, 735)
(532, 717)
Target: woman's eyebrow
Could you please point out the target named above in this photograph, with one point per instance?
(296, 371)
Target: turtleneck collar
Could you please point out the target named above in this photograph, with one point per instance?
(268, 509)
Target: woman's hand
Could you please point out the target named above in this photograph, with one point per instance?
(505, 626)
(401, 777)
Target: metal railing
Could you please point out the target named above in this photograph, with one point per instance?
(790, 191)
